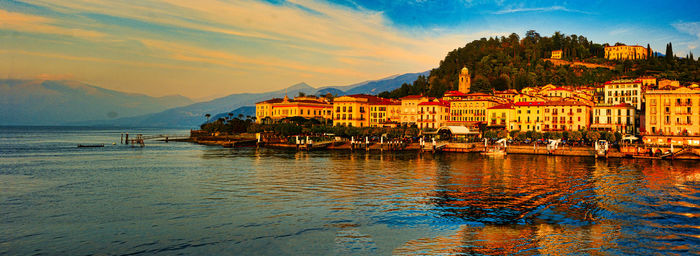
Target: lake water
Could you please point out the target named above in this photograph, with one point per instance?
(181, 198)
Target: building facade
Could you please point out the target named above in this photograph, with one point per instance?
(385, 113)
(469, 113)
(528, 116)
(566, 116)
(501, 117)
(409, 109)
(353, 110)
(433, 114)
(625, 52)
(557, 54)
(672, 112)
(623, 91)
(615, 118)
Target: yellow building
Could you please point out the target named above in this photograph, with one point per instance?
(501, 116)
(469, 113)
(433, 113)
(409, 108)
(625, 52)
(558, 93)
(648, 81)
(566, 116)
(556, 54)
(353, 110)
(672, 112)
(263, 110)
(528, 116)
(385, 113)
(307, 107)
(615, 118)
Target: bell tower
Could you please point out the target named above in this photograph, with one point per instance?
(465, 82)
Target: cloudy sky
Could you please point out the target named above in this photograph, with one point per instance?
(208, 48)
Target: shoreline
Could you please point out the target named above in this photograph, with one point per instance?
(473, 147)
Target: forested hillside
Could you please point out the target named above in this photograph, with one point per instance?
(512, 62)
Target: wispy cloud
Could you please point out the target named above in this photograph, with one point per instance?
(541, 9)
(691, 28)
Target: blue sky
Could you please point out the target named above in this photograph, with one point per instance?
(209, 48)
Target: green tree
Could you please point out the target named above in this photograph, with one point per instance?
(592, 136)
(575, 136)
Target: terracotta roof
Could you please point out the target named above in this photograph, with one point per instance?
(560, 89)
(384, 101)
(454, 93)
(435, 103)
(503, 106)
(529, 103)
(564, 103)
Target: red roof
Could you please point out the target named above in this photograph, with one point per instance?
(384, 101)
(454, 93)
(412, 97)
(435, 103)
(564, 103)
(530, 103)
(503, 106)
(560, 89)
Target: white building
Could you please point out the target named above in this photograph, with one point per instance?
(623, 91)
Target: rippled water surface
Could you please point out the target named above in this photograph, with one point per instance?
(180, 198)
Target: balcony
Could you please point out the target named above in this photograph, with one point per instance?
(683, 113)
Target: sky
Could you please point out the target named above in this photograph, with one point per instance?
(206, 48)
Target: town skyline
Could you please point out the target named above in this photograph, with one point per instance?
(214, 49)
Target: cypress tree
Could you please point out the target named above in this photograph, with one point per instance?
(669, 51)
(648, 51)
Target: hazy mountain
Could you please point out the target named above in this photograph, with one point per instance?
(41, 102)
(387, 84)
(192, 115)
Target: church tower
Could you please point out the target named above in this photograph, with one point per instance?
(465, 82)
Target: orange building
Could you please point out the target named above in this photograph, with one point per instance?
(385, 113)
(409, 108)
(353, 110)
(566, 116)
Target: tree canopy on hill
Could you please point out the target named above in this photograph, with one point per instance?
(513, 63)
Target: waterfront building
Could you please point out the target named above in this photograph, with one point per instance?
(465, 82)
(557, 54)
(501, 116)
(565, 116)
(263, 110)
(307, 107)
(625, 52)
(528, 116)
(304, 106)
(615, 118)
(353, 110)
(409, 109)
(469, 113)
(385, 113)
(433, 113)
(672, 112)
(623, 91)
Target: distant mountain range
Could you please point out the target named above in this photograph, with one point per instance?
(34, 102)
(42, 102)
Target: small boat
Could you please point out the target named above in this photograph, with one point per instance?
(91, 145)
